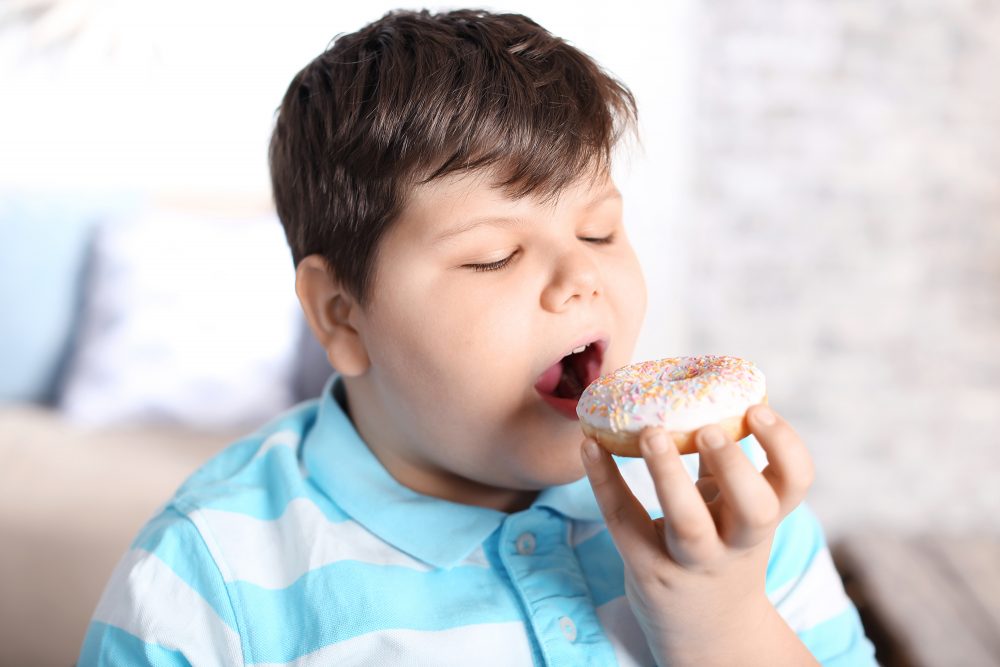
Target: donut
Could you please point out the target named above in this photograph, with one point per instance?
(681, 394)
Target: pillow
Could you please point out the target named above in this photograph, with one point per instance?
(189, 320)
(44, 239)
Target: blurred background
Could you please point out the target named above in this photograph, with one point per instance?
(818, 190)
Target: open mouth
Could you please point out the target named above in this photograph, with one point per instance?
(562, 383)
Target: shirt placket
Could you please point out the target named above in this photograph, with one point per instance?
(543, 568)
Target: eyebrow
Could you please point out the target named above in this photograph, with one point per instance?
(504, 220)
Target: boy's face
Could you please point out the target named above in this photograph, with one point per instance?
(449, 403)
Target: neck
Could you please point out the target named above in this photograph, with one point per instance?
(422, 476)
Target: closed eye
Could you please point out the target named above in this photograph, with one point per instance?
(502, 263)
(492, 266)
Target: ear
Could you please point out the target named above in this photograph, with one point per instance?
(331, 313)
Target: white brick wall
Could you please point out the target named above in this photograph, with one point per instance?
(844, 232)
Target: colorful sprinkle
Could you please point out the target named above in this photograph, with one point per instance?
(672, 384)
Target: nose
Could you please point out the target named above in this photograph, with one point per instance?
(575, 278)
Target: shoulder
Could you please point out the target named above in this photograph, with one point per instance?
(806, 589)
(171, 596)
(252, 506)
(166, 598)
(251, 460)
(804, 585)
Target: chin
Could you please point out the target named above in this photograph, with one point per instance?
(543, 450)
(568, 476)
(560, 466)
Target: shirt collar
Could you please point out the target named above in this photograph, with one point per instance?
(343, 467)
(574, 500)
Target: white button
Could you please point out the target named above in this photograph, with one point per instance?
(525, 544)
(568, 628)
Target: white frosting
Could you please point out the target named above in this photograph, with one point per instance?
(679, 393)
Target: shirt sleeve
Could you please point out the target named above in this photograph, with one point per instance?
(165, 604)
(807, 591)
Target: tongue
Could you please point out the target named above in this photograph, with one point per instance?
(550, 379)
(561, 380)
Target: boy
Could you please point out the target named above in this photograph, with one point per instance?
(444, 184)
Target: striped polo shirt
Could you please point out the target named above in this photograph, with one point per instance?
(295, 546)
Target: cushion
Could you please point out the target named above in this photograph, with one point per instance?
(188, 319)
(44, 238)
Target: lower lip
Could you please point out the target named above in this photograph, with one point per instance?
(564, 406)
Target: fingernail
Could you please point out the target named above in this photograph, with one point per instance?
(765, 416)
(656, 442)
(590, 450)
(713, 438)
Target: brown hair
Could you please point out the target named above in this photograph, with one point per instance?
(415, 96)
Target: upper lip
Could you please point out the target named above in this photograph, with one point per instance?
(600, 339)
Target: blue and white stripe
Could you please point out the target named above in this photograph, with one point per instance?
(294, 547)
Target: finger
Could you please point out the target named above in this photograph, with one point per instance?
(627, 520)
(790, 470)
(688, 527)
(748, 507)
(706, 483)
(708, 488)
(703, 470)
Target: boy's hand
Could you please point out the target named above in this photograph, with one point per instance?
(695, 578)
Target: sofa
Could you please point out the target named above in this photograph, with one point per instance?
(138, 338)
(71, 500)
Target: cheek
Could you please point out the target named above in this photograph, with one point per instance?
(399, 334)
(481, 334)
(444, 337)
